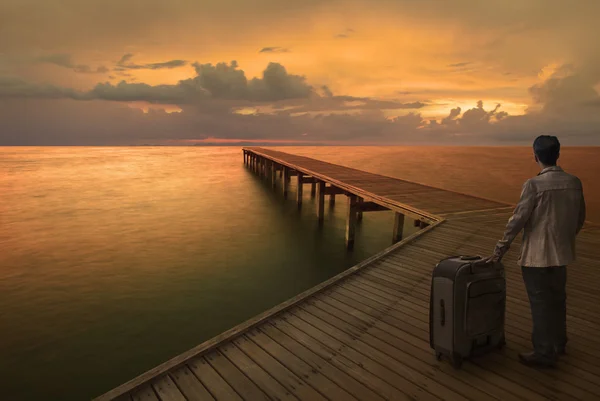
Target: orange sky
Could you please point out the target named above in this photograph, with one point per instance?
(446, 54)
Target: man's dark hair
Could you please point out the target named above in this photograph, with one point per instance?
(547, 148)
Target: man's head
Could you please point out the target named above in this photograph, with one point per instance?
(546, 149)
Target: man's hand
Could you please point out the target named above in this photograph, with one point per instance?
(498, 253)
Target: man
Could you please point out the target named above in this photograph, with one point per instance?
(551, 212)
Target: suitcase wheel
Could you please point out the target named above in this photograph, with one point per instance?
(457, 361)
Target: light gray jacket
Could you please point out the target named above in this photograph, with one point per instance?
(551, 212)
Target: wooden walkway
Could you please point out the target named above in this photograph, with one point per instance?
(363, 335)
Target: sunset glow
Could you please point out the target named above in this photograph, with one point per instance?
(328, 65)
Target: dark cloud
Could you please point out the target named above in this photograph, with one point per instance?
(451, 119)
(124, 64)
(463, 64)
(220, 81)
(209, 102)
(326, 91)
(345, 34)
(274, 50)
(66, 61)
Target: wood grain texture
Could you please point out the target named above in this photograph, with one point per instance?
(364, 334)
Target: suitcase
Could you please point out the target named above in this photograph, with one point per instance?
(467, 307)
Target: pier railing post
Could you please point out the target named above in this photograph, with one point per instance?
(300, 178)
(351, 221)
(320, 200)
(398, 227)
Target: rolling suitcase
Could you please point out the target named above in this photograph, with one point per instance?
(467, 307)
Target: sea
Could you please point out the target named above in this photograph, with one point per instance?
(116, 259)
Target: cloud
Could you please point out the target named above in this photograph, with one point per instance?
(274, 50)
(123, 64)
(220, 81)
(463, 64)
(66, 61)
(345, 34)
(48, 114)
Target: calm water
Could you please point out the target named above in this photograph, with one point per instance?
(113, 260)
(116, 259)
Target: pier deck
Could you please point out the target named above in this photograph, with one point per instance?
(363, 335)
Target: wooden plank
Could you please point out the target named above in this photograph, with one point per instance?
(189, 385)
(299, 367)
(209, 377)
(167, 390)
(343, 379)
(333, 190)
(283, 375)
(387, 382)
(371, 207)
(356, 340)
(323, 347)
(255, 373)
(145, 393)
(232, 375)
(458, 379)
(423, 318)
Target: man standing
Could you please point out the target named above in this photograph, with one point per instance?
(551, 212)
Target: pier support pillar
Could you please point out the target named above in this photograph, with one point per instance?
(285, 172)
(331, 200)
(398, 227)
(313, 189)
(351, 221)
(300, 177)
(320, 200)
(359, 213)
(273, 175)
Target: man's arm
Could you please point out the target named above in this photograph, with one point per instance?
(518, 220)
(581, 214)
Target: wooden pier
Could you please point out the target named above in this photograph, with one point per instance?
(363, 334)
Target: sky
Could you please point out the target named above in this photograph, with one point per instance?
(398, 72)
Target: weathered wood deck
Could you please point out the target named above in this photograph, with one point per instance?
(363, 335)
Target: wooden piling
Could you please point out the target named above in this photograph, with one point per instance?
(285, 181)
(273, 175)
(351, 221)
(331, 200)
(359, 213)
(300, 177)
(398, 227)
(320, 200)
(313, 189)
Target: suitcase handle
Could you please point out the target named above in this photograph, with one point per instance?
(442, 313)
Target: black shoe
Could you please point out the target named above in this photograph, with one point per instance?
(533, 359)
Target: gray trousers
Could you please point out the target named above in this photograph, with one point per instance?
(548, 299)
